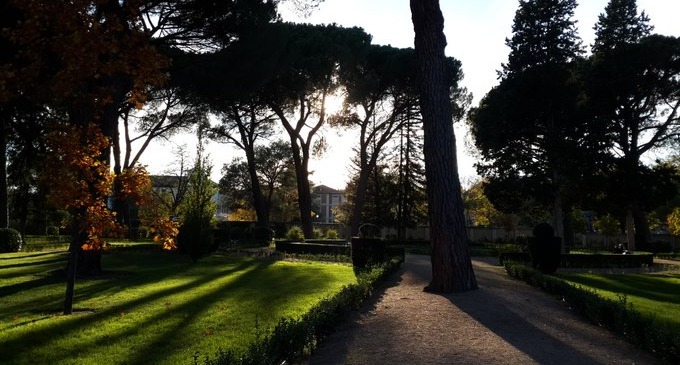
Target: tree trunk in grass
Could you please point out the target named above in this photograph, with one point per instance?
(451, 265)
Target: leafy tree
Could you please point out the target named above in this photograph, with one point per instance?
(633, 88)
(272, 163)
(177, 177)
(89, 58)
(478, 207)
(673, 221)
(287, 70)
(195, 236)
(531, 129)
(451, 265)
(242, 124)
(380, 99)
(306, 77)
(411, 195)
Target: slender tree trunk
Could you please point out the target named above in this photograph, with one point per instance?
(303, 188)
(72, 268)
(359, 200)
(259, 202)
(558, 209)
(642, 233)
(4, 200)
(451, 264)
(630, 228)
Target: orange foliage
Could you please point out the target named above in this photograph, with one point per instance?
(135, 184)
(73, 50)
(86, 183)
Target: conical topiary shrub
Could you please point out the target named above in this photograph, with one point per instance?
(545, 249)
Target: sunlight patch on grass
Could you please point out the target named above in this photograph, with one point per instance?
(653, 295)
(152, 308)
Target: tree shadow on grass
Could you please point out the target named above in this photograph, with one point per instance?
(537, 324)
(44, 336)
(12, 257)
(182, 315)
(654, 287)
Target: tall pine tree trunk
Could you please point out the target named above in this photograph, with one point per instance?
(4, 200)
(359, 200)
(451, 264)
(259, 202)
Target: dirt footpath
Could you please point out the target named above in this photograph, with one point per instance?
(504, 322)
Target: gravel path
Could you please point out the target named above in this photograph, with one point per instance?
(504, 322)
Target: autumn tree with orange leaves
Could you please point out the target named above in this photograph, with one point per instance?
(90, 60)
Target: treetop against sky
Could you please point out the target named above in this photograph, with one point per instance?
(476, 33)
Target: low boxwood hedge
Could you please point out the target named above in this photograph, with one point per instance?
(294, 338)
(290, 247)
(587, 260)
(618, 316)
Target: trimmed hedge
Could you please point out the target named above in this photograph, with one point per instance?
(326, 241)
(618, 316)
(312, 248)
(587, 260)
(292, 339)
(10, 240)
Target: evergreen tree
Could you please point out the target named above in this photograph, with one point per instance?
(633, 89)
(530, 129)
(619, 25)
(195, 236)
(544, 32)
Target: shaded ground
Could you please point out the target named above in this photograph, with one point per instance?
(504, 322)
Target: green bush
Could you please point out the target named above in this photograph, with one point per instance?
(10, 240)
(52, 231)
(618, 316)
(292, 339)
(331, 234)
(264, 235)
(311, 248)
(367, 252)
(195, 238)
(295, 234)
(318, 233)
(143, 232)
(544, 249)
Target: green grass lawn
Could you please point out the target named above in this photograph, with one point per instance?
(651, 294)
(151, 307)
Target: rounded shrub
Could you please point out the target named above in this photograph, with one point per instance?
(295, 234)
(195, 238)
(52, 230)
(331, 234)
(10, 240)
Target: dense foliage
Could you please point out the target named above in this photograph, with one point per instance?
(619, 316)
(10, 240)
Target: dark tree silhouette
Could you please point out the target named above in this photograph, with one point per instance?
(451, 264)
(633, 88)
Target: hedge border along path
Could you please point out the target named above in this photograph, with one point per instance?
(504, 322)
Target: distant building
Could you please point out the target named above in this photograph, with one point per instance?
(325, 199)
(174, 188)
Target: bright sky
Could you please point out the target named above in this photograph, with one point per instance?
(475, 31)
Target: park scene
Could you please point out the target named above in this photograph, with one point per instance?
(278, 182)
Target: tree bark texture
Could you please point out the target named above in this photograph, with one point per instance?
(451, 265)
(4, 199)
